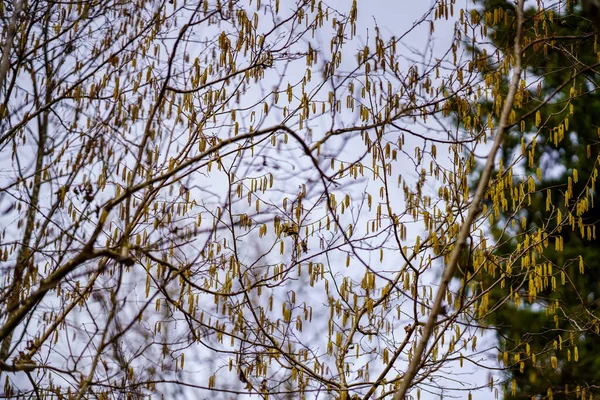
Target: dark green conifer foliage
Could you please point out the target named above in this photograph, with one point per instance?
(562, 74)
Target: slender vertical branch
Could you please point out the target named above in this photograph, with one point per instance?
(10, 35)
(474, 210)
(25, 253)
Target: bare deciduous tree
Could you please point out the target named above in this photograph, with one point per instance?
(246, 198)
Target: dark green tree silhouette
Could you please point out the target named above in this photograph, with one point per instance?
(549, 337)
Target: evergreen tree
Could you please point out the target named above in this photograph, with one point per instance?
(550, 336)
